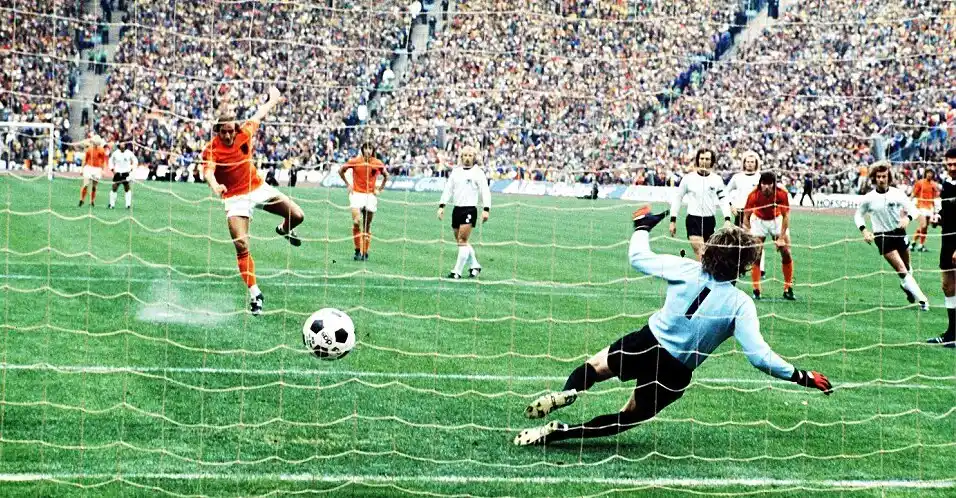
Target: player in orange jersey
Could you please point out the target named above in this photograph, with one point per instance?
(94, 162)
(230, 173)
(362, 195)
(767, 212)
(926, 195)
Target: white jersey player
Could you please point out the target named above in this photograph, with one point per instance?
(705, 195)
(740, 186)
(122, 162)
(884, 205)
(463, 188)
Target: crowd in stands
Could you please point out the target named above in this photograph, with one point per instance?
(38, 73)
(182, 64)
(558, 90)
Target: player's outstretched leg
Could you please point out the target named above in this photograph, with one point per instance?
(581, 379)
(292, 216)
(899, 259)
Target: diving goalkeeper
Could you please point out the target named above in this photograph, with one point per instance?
(702, 309)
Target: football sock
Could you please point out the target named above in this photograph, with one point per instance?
(254, 291)
(755, 277)
(93, 194)
(112, 198)
(462, 258)
(247, 268)
(909, 283)
(129, 198)
(357, 238)
(472, 258)
(582, 378)
(366, 241)
(762, 254)
(951, 314)
(602, 425)
(788, 274)
(82, 194)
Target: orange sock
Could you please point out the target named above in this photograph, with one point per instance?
(755, 277)
(82, 194)
(357, 238)
(366, 241)
(247, 268)
(93, 195)
(921, 237)
(788, 275)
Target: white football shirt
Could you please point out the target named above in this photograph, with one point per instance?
(464, 186)
(704, 195)
(884, 209)
(740, 186)
(123, 161)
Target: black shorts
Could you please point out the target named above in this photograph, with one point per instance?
(894, 240)
(464, 215)
(946, 253)
(700, 226)
(661, 378)
(739, 219)
(120, 177)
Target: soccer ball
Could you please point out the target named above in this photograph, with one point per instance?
(329, 334)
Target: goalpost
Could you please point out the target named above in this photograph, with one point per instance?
(129, 363)
(7, 147)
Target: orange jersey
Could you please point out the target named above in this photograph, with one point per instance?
(234, 168)
(925, 192)
(365, 174)
(767, 207)
(95, 157)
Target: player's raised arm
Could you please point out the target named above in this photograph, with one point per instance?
(646, 261)
(275, 97)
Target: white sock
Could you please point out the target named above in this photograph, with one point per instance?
(254, 291)
(950, 302)
(129, 198)
(112, 198)
(462, 259)
(909, 283)
(472, 258)
(762, 253)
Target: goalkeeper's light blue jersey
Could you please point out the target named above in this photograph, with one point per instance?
(700, 313)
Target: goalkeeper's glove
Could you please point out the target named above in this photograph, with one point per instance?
(815, 380)
(644, 220)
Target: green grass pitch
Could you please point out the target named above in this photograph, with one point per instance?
(131, 365)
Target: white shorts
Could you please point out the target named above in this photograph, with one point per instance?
(927, 212)
(92, 173)
(368, 202)
(243, 205)
(766, 228)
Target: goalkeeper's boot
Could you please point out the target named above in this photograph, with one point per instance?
(539, 435)
(644, 220)
(291, 236)
(910, 297)
(550, 402)
(255, 304)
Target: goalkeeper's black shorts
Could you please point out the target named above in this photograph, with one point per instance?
(661, 378)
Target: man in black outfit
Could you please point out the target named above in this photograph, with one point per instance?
(808, 189)
(947, 254)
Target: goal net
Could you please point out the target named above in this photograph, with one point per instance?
(129, 361)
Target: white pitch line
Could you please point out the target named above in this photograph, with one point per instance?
(101, 369)
(459, 479)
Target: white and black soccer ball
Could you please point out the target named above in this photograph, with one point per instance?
(329, 334)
